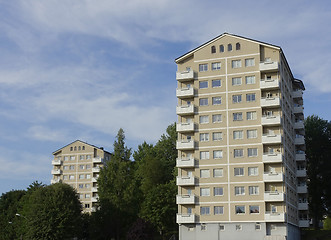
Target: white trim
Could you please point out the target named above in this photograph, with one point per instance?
(224, 58)
(204, 203)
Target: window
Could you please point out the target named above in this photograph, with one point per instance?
(204, 119)
(216, 83)
(204, 155)
(88, 166)
(88, 176)
(239, 171)
(71, 148)
(250, 97)
(217, 154)
(81, 196)
(236, 98)
(83, 148)
(254, 209)
(239, 190)
(253, 190)
(204, 137)
(72, 157)
(250, 79)
(251, 115)
(65, 177)
(66, 158)
(81, 176)
(237, 134)
(237, 46)
(240, 209)
(237, 116)
(249, 62)
(217, 136)
(87, 185)
(204, 210)
(216, 66)
(72, 167)
(203, 101)
(203, 84)
(81, 186)
(229, 47)
(252, 133)
(79, 148)
(203, 227)
(204, 192)
(87, 195)
(65, 167)
(87, 205)
(222, 227)
(257, 226)
(252, 152)
(236, 63)
(88, 157)
(204, 173)
(221, 48)
(71, 177)
(81, 157)
(81, 167)
(253, 171)
(239, 227)
(218, 191)
(238, 153)
(203, 67)
(216, 100)
(213, 49)
(218, 210)
(236, 81)
(218, 172)
(217, 118)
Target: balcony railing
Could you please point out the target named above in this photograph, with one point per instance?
(273, 177)
(96, 169)
(275, 217)
(269, 83)
(183, 162)
(185, 181)
(300, 157)
(302, 189)
(297, 94)
(185, 75)
(299, 140)
(298, 109)
(271, 139)
(270, 102)
(271, 120)
(303, 223)
(53, 181)
(185, 127)
(274, 196)
(185, 218)
(301, 173)
(272, 158)
(303, 206)
(56, 162)
(299, 125)
(94, 199)
(268, 66)
(94, 189)
(185, 109)
(185, 145)
(185, 199)
(56, 171)
(184, 92)
(97, 160)
(94, 179)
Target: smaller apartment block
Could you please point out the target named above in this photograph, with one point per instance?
(78, 164)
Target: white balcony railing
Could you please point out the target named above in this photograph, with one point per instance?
(56, 162)
(272, 158)
(56, 171)
(96, 169)
(303, 206)
(301, 173)
(271, 139)
(185, 109)
(303, 223)
(298, 109)
(94, 189)
(299, 125)
(275, 217)
(302, 189)
(273, 177)
(270, 102)
(269, 83)
(274, 196)
(183, 162)
(53, 181)
(268, 66)
(94, 179)
(185, 92)
(297, 94)
(185, 218)
(185, 199)
(299, 140)
(185, 181)
(185, 145)
(185, 75)
(94, 199)
(300, 156)
(185, 127)
(97, 160)
(271, 120)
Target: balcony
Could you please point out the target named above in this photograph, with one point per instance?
(56, 171)
(94, 179)
(185, 162)
(271, 120)
(270, 102)
(185, 199)
(275, 217)
(302, 189)
(297, 94)
(185, 110)
(97, 160)
(269, 83)
(94, 189)
(301, 173)
(185, 127)
(185, 181)
(271, 139)
(94, 199)
(185, 218)
(185, 145)
(268, 66)
(303, 223)
(303, 206)
(274, 196)
(299, 140)
(298, 109)
(53, 181)
(184, 92)
(300, 157)
(272, 158)
(96, 169)
(185, 76)
(273, 177)
(56, 162)
(299, 125)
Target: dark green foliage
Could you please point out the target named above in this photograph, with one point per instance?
(140, 230)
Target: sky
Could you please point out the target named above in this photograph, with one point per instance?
(82, 69)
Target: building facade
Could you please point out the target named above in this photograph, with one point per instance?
(78, 164)
(241, 149)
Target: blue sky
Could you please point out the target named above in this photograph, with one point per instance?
(82, 69)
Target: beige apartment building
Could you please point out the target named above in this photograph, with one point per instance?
(78, 164)
(241, 148)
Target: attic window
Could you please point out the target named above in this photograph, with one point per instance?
(79, 148)
(221, 48)
(71, 148)
(237, 46)
(75, 148)
(83, 148)
(213, 49)
(229, 47)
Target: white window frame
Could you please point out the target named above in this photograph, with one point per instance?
(216, 81)
(204, 155)
(238, 153)
(204, 210)
(251, 133)
(201, 84)
(216, 66)
(203, 119)
(217, 100)
(217, 154)
(253, 171)
(239, 171)
(249, 62)
(238, 116)
(250, 79)
(204, 192)
(250, 97)
(236, 81)
(217, 118)
(218, 210)
(251, 115)
(237, 98)
(203, 102)
(236, 63)
(217, 136)
(204, 137)
(204, 173)
(252, 152)
(218, 191)
(203, 67)
(253, 190)
(218, 172)
(238, 134)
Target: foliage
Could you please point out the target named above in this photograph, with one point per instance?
(327, 223)
(140, 230)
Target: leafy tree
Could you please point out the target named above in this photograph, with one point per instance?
(140, 230)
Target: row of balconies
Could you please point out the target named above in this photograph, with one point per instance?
(56, 162)
(59, 171)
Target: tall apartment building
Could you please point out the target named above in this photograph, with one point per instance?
(78, 164)
(241, 160)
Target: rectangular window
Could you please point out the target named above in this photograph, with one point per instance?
(239, 190)
(252, 152)
(216, 66)
(87, 185)
(253, 171)
(250, 97)
(72, 157)
(217, 136)
(203, 101)
(204, 192)
(72, 167)
(236, 81)
(217, 118)
(238, 153)
(217, 154)
(204, 173)
(249, 62)
(237, 116)
(88, 166)
(254, 209)
(222, 227)
(81, 186)
(65, 158)
(81, 167)
(239, 171)
(236, 63)
(65, 177)
(240, 209)
(216, 83)
(252, 133)
(218, 210)
(203, 84)
(257, 227)
(236, 98)
(251, 115)
(81, 176)
(218, 191)
(204, 155)
(204, 137)
(88, 157)
(203, 67)
(71, 177)
(216, 100)
(88, 176)
(65, 167)
(81, 157)
(204, 119)
(237, 134)
(204, 210)
(87, 195)
(218, 172)
(239, 227)
(250, 79)
(253, 190)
